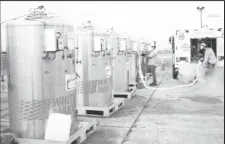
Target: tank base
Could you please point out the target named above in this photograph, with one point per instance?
(101, 111)
(125, 95)
(85, 129)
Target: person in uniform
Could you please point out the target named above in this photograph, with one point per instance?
(209, 60)
(151, 63)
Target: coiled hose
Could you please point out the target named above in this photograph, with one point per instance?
(166, 88)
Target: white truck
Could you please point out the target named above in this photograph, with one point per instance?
(186, 46)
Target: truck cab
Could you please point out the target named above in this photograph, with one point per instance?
(186, 46)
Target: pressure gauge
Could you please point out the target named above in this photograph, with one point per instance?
(51, 56)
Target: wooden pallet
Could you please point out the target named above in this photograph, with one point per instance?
(4, 110)
(132, 87)
(4, 123)
(125, 95)
(4, 113)
(85, 129)
(101, 111)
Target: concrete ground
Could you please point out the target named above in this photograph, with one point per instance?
(190, 115)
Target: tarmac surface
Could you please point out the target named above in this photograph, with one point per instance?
(192, 115)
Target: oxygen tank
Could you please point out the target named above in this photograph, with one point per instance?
(41, 73)
(120, 63)
(133, 61)
(94, 85)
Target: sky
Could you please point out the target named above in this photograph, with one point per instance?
(151, 20)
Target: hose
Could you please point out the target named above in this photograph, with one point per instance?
(166, 88)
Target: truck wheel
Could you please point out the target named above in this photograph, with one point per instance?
(174, 72)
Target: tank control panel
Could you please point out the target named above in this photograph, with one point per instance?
(123, 45)
(53, 40)
(134, 46)
(99, 44)
(59, 41)
(3, 39)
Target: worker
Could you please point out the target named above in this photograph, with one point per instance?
(151, 62)
(209, 56)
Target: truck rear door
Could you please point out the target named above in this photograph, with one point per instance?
(182, 47)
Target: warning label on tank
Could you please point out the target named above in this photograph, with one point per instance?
(70, 82)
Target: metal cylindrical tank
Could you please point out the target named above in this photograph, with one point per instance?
(4, 79)
(3, 60)
(94, 85)
(41, 74)
(120, 63)
(133, 65)
(143, 59)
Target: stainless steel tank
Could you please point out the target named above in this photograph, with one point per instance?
(3, 60)
(94, 63)
(120, 63)
(4, 77)
(143, 59)
(41, 74)
(133, 65)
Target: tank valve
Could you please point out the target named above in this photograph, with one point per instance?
(103, 54)
(70, 55)
(77, 75)
(44, 55)
(48, 56)
(51, 56)
(93, 54)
